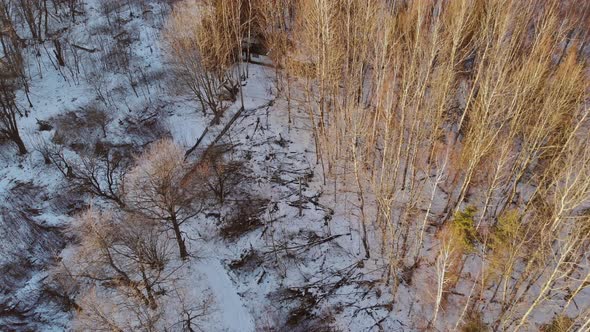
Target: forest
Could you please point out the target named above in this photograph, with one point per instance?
(294, 165)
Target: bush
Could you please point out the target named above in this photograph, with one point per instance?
(463, 227)
(474, 323)
(558, 324)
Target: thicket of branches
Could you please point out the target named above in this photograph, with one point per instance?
(205, 41)
(467, 117)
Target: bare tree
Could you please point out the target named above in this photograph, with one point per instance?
(101, 175)
(158, 189)
(123, 252)
(202, 36)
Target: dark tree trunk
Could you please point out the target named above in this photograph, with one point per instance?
(151, 300)
(179, 239)
(8, 114)
(22, 149)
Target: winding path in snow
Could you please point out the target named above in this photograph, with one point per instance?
(236, 317)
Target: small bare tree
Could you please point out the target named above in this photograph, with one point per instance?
(101, 175)
(221, 176)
